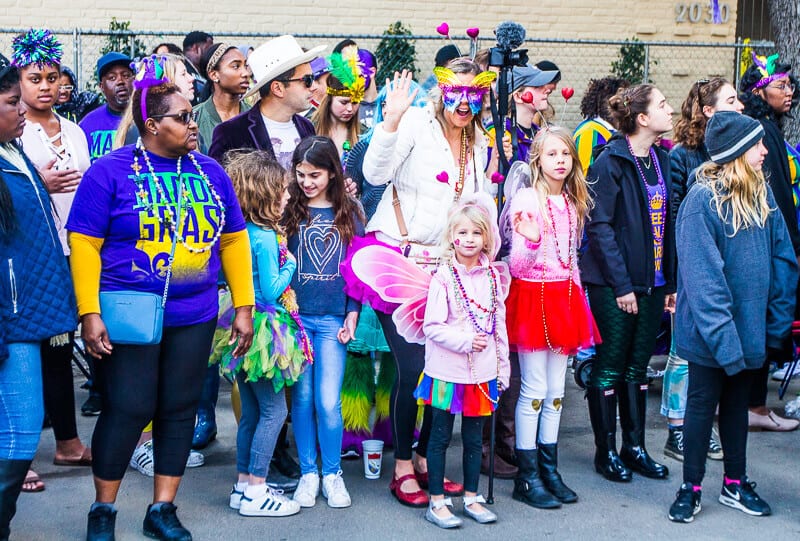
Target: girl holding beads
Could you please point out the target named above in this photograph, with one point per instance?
(280, 350)
(466, 351)
(629, 272)
(548, 318)
(321, 220)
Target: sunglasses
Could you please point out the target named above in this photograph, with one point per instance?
(307, 80)
(184, 118)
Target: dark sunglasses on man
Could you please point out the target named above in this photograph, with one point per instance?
(307, 79)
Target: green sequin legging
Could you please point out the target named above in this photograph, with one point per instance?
(628, 339)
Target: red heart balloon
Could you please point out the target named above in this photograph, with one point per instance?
(473, 32)
(443, 29)
(443, 177)
(526, 97)
(567, 92)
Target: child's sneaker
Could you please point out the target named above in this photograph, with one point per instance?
(236, 495)
(714, 448)
(334, 490)
(674, 445)
(307, 489)
(741, 495)
(142, 459)
(686, 505)
(268, 503)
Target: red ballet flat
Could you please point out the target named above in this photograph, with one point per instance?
(410, 499)
(451, 488)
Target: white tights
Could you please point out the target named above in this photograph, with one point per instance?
(542, 392)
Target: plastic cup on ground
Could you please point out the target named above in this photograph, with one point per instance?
(373, 453)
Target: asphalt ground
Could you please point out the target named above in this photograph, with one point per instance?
(605, 510)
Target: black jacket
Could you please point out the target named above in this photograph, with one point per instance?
(620, 238)
(683, 161)
(247, 130)
(776, 170)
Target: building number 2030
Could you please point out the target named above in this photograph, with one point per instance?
(699, 12)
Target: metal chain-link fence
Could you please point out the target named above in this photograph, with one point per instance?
(672, 66)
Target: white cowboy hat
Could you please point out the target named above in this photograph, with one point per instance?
(277, 56)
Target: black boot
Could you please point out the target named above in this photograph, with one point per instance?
(528, 486)
(603, 414)
(100, 526)
(163, 524)
(282, 461)
(632, 416)
(548, 470)
(12, 475)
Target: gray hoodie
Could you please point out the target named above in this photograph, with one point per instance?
(736, 293)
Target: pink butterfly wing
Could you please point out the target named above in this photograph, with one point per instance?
(392, 276)
(408, 319)
(504, 278)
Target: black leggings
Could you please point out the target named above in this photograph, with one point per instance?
(57, 387)
(441, 432)
(707, 388)
(410, 362)
(628, 339)
(140, 383)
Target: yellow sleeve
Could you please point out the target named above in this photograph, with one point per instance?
(85, 266)
(234, 252)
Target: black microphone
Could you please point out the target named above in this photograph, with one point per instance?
(510, 35)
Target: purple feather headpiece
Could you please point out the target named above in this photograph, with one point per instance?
(366, 64)
(149, 73)
(36, 46)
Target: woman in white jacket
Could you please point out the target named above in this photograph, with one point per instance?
(431, 156)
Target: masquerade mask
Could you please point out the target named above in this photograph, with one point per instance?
(36, 46)
(766, 66)
(454, 91)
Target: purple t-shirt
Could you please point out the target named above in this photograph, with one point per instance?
(100, 127)
(657, 208)
(136, 245)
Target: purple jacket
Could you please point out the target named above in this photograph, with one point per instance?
(247, 130)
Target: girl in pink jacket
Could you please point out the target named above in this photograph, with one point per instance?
(466, 351)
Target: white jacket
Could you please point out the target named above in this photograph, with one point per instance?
(411, 158)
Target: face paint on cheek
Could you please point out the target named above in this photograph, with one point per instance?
(457, 242)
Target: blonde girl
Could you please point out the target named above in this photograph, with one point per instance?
(548, 317)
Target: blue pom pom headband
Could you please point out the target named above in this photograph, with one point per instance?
(36, 46)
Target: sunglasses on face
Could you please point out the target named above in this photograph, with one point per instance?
(184, 118)
(307, 80)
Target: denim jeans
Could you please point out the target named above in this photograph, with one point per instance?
(263, 414)
(21, 402)
(316, 397)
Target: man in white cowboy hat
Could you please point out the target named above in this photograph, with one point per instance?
(284, 80)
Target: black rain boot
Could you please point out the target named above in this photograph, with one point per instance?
(548, 470)
(603, 414)
(632, 416)
(282, 461)
(12, 475)
(528, 486)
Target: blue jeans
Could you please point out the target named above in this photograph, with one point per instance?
(21, 402)
(263, 414)
(319, 392)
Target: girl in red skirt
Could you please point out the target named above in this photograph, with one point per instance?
(548, 316)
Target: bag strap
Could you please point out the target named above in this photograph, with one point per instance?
(398, 214)
(174, 245)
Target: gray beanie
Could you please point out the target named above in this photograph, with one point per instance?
(729, 135)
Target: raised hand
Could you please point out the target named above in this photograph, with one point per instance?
(525, 224)
(398, 99)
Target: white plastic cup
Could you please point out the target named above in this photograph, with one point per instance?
(373, 455)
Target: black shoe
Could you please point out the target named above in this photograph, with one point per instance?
(686, 504)
(603, 415)
(284, 463)
(93, 406)
(12, 476)
(528, 486)
(100, 526)
(742, 496)
(277, 481)
(674, 446)
(548, 464)
(163, 524)
(632, 417)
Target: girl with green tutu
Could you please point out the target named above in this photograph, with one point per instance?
(281, 350)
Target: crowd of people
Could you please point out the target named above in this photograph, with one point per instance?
(330, 244)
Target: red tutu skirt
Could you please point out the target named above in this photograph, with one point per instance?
(570, 325)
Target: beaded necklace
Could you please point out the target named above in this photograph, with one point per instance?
(462, 164)
(181, 197)
(564, 264)
(654, 160)
(464, 303)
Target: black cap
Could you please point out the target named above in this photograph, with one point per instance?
(546, 65)
(446, 54)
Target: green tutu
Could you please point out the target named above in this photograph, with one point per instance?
(369, 334)
(275, 354)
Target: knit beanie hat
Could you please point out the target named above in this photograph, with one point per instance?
(730, 134)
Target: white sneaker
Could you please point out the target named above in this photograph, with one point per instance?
(333, 488)
(270, 504)
(195, 460)
(780, 373)
(235, 500)
(142, 459)
(307, 489)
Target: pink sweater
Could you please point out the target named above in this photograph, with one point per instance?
(533, 261)
(449, 330)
